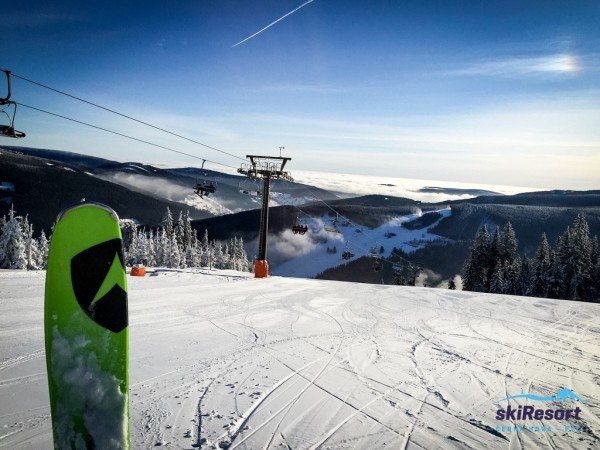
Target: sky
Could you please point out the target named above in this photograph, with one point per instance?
(500, 92)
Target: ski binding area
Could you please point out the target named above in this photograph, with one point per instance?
(221, 360)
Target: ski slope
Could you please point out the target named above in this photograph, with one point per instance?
(221, 359)
(311, 258)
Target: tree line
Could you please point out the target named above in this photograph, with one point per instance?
(174, 244)
(569, 269)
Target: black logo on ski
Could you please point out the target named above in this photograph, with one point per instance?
(89, 270)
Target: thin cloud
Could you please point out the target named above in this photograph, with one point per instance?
(273, 23)
(513, 67)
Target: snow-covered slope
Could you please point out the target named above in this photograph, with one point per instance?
(294, 363)
(309, 252)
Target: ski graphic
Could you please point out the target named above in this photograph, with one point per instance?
(85, 321)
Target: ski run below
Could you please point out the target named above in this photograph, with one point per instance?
(220, 359)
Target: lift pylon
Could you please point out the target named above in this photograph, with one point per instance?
(264, 168)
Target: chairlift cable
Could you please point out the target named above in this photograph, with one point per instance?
(122, 135)
(96, 105)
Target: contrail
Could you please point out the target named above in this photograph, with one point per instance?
(273, 23)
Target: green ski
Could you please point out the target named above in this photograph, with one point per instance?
(85, 321)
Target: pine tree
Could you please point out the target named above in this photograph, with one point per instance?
(173, 256)
(206, 252)
(44, 246)
(12, 245)
(497, 281)
(167, 223)
(526, 277)
(542, 268)
(476, 270)
(509, 247)
(580, 285)
(32, 251)
(451, 284)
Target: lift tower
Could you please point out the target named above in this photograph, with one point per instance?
(264, 168)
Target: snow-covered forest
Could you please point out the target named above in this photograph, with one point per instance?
(19, 249)
(175, 244)
(568, 270)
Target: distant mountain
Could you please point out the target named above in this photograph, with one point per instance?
(43, 188)
(555, 198)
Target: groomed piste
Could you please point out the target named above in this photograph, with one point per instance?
(219, 359)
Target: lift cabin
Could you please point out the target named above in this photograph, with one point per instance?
(5, 105)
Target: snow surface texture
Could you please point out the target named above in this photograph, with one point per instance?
(306, 256)
(221, 359)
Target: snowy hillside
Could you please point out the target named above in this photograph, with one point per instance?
(290, 363)
(310, 251)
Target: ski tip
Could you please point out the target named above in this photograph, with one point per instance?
(84, 204)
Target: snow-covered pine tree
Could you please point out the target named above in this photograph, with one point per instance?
(131, 250)
(150, 248)
(167, 223)
(172, 256)
(161, 242)
(580, 283)
(32, 251)
(526, 277)
(497, 283)
(512, 277)
(12, 244)
(476, 268)
(205, 251)
(542, 264)
(508, 251)
(221, 258)
(179, 231)
(452, 284)
(44, 246)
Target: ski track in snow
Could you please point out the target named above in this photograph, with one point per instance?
(221, 360)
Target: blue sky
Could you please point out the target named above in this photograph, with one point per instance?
(477, 91)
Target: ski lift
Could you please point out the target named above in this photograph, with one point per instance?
(347, 255)
(250, 186)
(331, 230)
(299, 227)
(9, 130)
(205, 187)
(377, 266)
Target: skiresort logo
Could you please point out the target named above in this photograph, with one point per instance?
(97, 276)
(529, 412)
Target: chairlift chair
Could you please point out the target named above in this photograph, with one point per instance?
(347, 255)
(377, 266)
(205, 187)
(250, 187)
(6, 102)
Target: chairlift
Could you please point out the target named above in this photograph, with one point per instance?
(377, 266)
(250, 186)
(347, 254)
(299, 227)
(206, 186)
(331, 230)
(6, 102)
